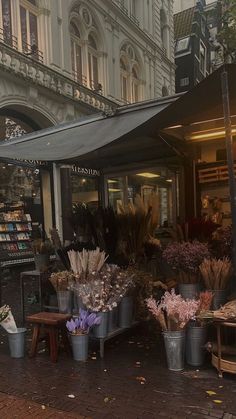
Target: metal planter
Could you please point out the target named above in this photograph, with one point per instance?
(175, 349)
(101, 330)
(196, 338)
(42, 261)
(112, 319)
(219, 298)
(17, 343)
(65, 301)
(126, 312)
(80, 347)
(190, 291)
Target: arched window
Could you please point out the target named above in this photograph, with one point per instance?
(164, 30)
(129, 75)
(93, 63)
(76, 52)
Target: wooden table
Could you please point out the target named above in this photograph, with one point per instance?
(224, 363)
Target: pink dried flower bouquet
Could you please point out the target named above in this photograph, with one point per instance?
(173, 312)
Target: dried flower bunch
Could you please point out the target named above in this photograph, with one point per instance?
(7, 320)
(62, 281)
(82, 324)
(172, 311)
(4, 311)
(216, 273)
(185, 258)
(86, 262)
(105, 289)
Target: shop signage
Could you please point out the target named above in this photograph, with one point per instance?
(85, 171)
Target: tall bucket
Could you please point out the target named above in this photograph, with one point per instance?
(190, 291)
(219, 298)
(175, 349)
(42, 262)
(101, 330)
(126, 312)
(196, 338)
(65, 301)
(112, 319)
(80, 347)
(17, 343)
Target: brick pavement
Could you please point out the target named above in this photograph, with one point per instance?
(132, 382)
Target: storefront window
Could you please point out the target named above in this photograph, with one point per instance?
(122, 191)
(84, 191)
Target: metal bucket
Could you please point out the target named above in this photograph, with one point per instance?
(175, 349)
(112, 319)
(17, 343)
(65, 299)
(190, 291)
(219, 298)
(126, 312)
(196, 338)
(42, 261)
(80, 347)
(101, 330)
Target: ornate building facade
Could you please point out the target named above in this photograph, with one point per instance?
(61, 59)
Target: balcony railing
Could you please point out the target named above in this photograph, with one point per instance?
(34, 71)
(8, 39)
(32, 51)
(79, 78)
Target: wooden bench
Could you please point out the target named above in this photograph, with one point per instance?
(54, 325)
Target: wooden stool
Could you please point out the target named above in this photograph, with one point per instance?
(54, 323)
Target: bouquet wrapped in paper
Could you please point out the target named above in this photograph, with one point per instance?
(7, 320)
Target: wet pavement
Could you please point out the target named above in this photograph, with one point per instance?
(132, 381)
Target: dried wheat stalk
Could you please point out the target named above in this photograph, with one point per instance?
(216, 273)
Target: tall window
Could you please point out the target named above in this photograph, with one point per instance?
(129, 75)
(76, 52)
(5, 22)
(93, 63)
(164, 30)
(29, 28)
(202, 58)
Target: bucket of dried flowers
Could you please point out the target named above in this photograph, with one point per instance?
(184, 258)
(196, 336)
(62, 282)
(216, 274)
(42, 251)
(79, 328)
(173, 313)
(16, 336)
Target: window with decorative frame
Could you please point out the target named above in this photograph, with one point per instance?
(93, 63)
(6, 22)
(76, 52)
(129, 75)
(29, 27)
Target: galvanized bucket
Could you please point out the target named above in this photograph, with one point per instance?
(126, 312)
(219, 298)
(175, 349)
(101, 330)
(196, 338)
(80, 347)
(17, 343)
(190, 291)
(42, 261)
(65, 301)
(112, 319)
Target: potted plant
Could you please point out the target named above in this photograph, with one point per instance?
(185, 258)
(42, 250)
(216, 274)
(196, 336)
(173, 313)
(62, 283)
(16, 336)
(79, 328)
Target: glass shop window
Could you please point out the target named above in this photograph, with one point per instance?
(85, 191)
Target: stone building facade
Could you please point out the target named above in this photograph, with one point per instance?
(62, 59)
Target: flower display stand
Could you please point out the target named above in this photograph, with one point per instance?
(224, 362)
(110, 335)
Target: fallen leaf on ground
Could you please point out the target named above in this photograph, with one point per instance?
(210, 392)
(106, 400)
(43, 407)
(105, 370)
(93, 357)
(220, 386)
(141, 379)
(138, 363)
(217, 401)
(130, 342)
(71, 396)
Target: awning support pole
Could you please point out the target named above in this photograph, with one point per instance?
(230, 159)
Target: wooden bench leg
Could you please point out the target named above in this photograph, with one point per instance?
(53, 339)
(35, 339)
(65, 340)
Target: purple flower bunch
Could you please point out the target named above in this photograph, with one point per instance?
(82, 324)
(186, 256)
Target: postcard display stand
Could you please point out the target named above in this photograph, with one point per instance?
(15, 237)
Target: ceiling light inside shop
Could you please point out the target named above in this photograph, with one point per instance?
(148, 175)
(114, 190)
(210, 134)
(169, 180)
(112, 181)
